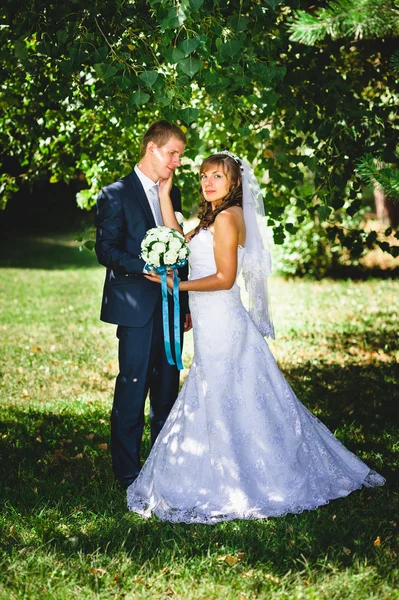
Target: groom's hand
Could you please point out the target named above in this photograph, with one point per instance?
(188, 324)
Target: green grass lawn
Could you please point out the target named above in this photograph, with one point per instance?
(65, 531)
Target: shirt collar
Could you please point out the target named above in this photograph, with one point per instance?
(145, 181)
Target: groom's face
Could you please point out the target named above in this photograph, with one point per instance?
(165, 159)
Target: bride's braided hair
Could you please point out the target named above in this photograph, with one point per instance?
(231, 168)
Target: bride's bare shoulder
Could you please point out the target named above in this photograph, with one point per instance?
(230, 215)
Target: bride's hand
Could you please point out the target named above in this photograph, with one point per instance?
(189, 235)
(165, 186)
(157, 279)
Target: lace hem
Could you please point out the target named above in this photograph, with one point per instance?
(146, 508)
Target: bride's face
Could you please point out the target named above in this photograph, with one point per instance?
(214, 183)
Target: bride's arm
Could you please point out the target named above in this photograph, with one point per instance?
(226, 233)
(189, 235)
(168, 213)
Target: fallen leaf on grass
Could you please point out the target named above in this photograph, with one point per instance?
(229, 559)
(89, 436)
(25, 394)
(102, 446)
(347, 551)
(78, 456)
(99, 572)
(59, 455)
(272, 578)
(247, 574)
(377, 541)
(25, 550)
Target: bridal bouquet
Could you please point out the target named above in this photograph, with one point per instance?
(164, 247)
(163, 250)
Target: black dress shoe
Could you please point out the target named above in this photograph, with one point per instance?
(125, 483)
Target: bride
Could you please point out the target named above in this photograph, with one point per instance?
(238, 444)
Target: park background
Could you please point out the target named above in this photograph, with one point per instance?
(308, 94)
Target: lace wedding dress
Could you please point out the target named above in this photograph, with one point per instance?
(238, 444)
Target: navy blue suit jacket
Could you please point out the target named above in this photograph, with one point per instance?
(122, 219)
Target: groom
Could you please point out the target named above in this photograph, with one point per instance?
(126, 209)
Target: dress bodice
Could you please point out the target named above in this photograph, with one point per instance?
(202, 256)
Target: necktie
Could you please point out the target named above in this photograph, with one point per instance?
(154, 201)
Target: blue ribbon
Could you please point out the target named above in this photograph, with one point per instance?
(165, 312)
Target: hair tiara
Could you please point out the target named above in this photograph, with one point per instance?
(233, 156)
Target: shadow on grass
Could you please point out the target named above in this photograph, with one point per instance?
(53, 471)
(44, 252)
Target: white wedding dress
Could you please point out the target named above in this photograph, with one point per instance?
(238, 444)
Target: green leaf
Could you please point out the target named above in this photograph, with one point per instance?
(104, 70)
(371, 239)
(90, 244)
(270, 99)
(324, 211)
(174, 19)
(238, 23)
(189, 45)
(278, 235)
(62, 36)
(20, 50)
(354, 208)
(196, 4)
(100, 54)
(273, 3)
(231, 48)
(190, 66)
(210, 77)
(174, 55)
(290, 227)
(78, 55)
(188, 115)
(149, 78)
(139, 97)
(67, 67)
(163, 100)
(123, 81)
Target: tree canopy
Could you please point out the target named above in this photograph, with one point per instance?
(275, 82)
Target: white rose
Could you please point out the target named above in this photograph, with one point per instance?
(170, 257)
(144, 254)
(179, 218)
(183, 253)
(153, 259)
(163, 234)
(174, 244)
(149, 239)
(158, 247)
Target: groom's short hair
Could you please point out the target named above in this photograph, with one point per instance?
(160, 132)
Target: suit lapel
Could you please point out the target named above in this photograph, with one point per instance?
(142, 198)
